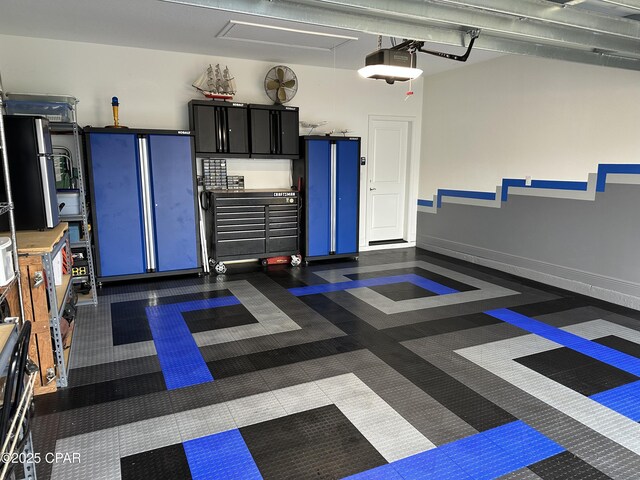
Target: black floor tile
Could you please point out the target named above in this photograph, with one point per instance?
(142, 285)
(316, 444)
(566, 466)
(549, 306)
(167, 463)
(95, 393)
(594, 378)
(620, 344)
(581, 373)
(129, 322)
(281, 356)
(219, 317)
(402, 291)
(555, 361)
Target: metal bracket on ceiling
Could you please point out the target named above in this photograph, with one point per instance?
(417, 46)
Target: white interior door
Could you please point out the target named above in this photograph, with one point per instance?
(386, 173)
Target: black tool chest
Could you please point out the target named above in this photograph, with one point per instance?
(253, 224)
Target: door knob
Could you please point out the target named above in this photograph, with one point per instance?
(371, 189)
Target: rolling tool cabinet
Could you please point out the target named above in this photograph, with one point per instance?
(253, 224)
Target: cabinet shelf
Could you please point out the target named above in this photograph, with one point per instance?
(72, 218)
(62, 293)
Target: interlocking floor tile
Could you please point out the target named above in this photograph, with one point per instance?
(166, 463)
(415, 374)
(216, 318)
(566, 466)
(316, 444)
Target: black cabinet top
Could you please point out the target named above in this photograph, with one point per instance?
(329, 137)
(273, 107)
(136, 131)
(218, 103)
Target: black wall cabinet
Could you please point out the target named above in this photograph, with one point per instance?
(221, 128)
(274, 131)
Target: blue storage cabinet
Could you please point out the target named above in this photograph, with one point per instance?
(329, 176)
(145, 217)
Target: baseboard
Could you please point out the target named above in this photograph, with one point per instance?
(612, 290)
(390, 246)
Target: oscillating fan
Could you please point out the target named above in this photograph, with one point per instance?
(281, 84)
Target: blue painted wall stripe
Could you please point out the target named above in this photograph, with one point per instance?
(606, 168)
(222, 456)
(464, 194)
(422, 282)
(603, 170)
(485, 455)
(180, 358)
(605, 354)
(559, 184)
(511, 182)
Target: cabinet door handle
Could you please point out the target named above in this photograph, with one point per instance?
(219, 144)
(225, 141)
(372, 188)
(272, 130)
(279, 133)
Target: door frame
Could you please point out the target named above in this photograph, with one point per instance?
(411, 182)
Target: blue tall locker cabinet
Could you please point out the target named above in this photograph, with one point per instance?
(145, 218)
(329, 176)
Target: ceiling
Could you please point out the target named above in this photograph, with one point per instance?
(341, 32)
(167, 26)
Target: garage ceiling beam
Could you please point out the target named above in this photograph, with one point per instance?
(559, 15)
(416, 28)
(516, 24)
(633, 4)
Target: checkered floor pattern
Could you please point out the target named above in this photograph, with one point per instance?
(403, 365)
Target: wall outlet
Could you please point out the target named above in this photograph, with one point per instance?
(527, 181)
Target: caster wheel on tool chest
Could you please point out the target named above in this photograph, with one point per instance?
(220, 268)
(356, 258)
(296, 260)
(264, 262)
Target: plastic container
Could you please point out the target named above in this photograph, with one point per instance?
(71, 200)
(6, 261)
(74, 232)
(52, 111)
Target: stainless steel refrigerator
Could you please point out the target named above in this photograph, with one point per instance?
(33, 180)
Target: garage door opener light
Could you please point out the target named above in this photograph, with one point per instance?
(398, 63)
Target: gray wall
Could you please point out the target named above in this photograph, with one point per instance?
(591, 247)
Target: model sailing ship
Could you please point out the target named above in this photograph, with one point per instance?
(214, 83)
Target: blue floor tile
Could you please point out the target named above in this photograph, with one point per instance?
(223, 456)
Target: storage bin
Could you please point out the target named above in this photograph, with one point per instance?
(53, 111)
(6, 261)
(71, 200)
(74, 232)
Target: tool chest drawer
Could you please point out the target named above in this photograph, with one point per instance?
(253, 224)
